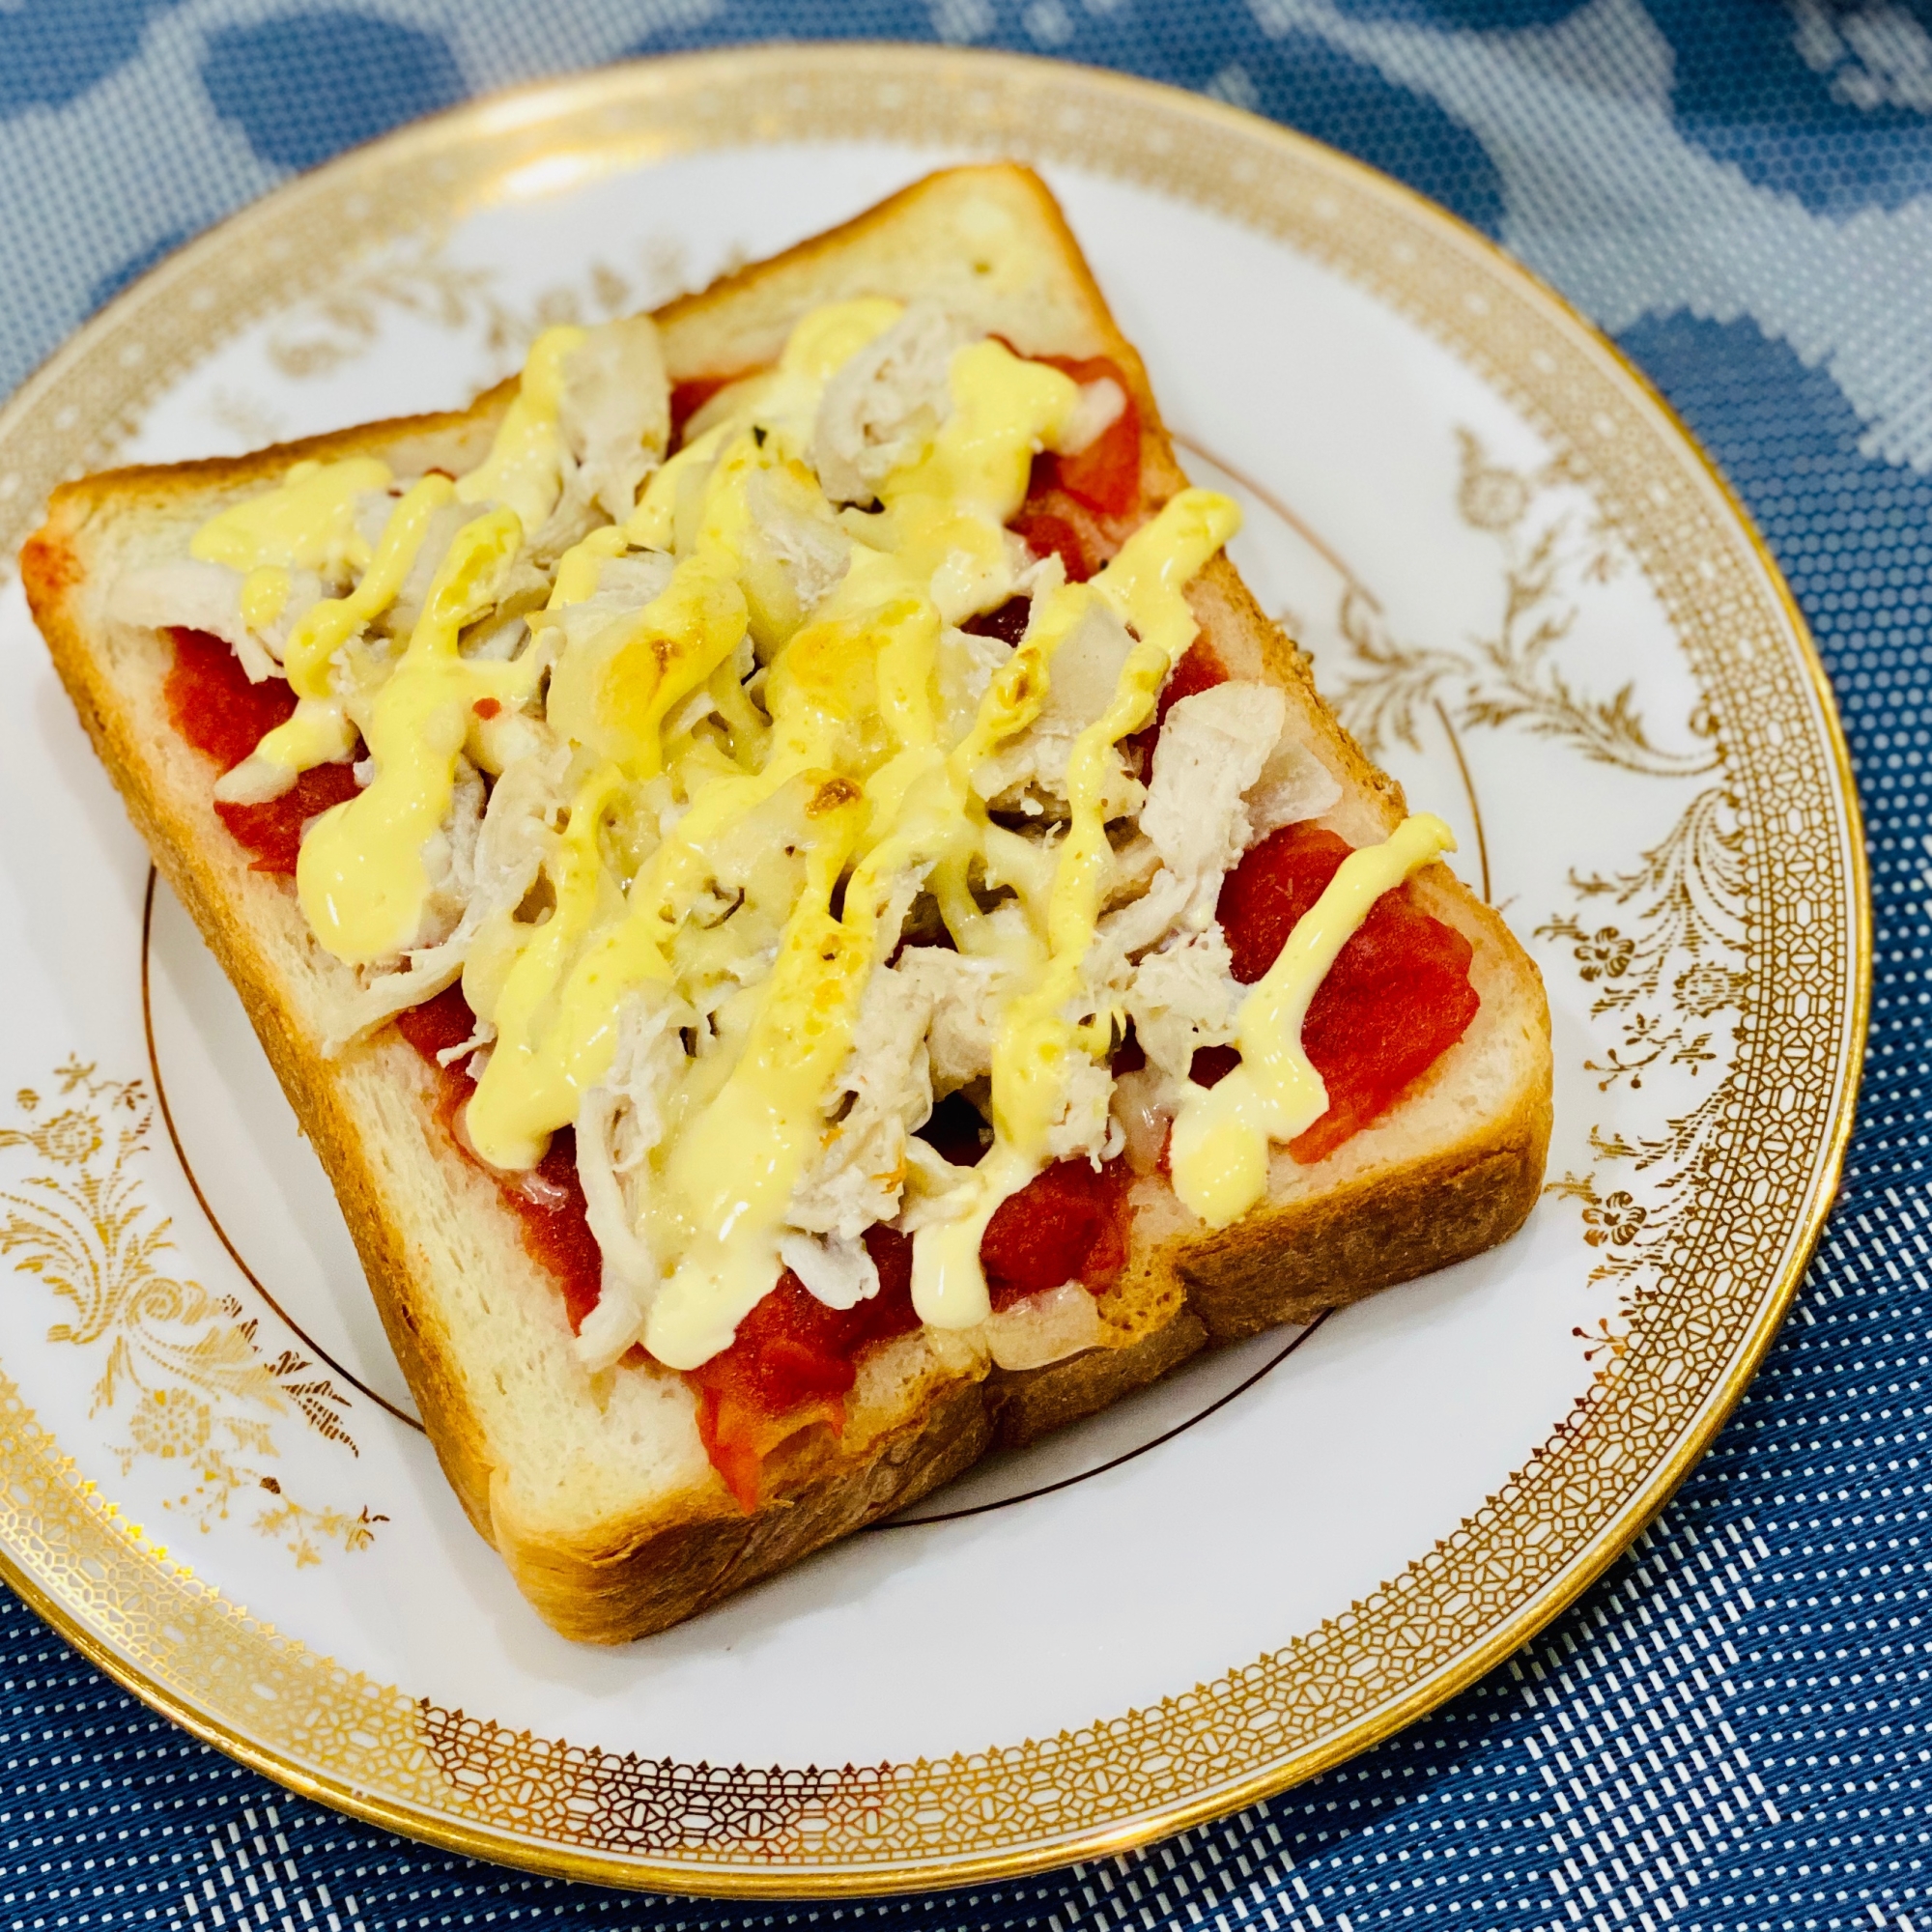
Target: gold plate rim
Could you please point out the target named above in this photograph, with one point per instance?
(550, 102)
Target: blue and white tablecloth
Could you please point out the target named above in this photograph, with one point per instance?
(1728, 1732)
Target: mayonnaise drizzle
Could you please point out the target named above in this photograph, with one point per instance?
(524, 470)
(844, 785)
(360, 873)
(1038, 1039)
(1220, 1150)
(309, 524)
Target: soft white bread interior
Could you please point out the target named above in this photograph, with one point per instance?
(596, 1488)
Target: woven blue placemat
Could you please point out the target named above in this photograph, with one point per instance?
(1729, 1731)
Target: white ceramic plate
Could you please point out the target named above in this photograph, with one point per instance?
(1525, 589)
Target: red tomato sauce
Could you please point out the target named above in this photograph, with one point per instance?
(1395, 1000)
(691, 394)
(1199, 669)
(1069, 1223)
(213, 704)
(549, 1201)
(1104, 480)
(1066, 495)
(792, 1364)
(793, 1359)
(1105, 475)
(1047, 533)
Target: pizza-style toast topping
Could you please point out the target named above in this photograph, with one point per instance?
(1395, 1000)
(721, 776)
(215, 706)
(1221, 1134)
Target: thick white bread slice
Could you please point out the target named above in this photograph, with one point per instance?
(596, 1490)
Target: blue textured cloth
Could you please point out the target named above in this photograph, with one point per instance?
(1729, 1731)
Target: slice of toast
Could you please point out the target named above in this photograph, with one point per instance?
(597, 1490)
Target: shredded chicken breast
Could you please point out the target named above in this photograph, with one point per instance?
(1029, 774)
(1214, 750)
(615, 415)
(1184, 997)
(889, 401)
(208, 597)
(618, 1126)
(507, 851)
(883, 1093)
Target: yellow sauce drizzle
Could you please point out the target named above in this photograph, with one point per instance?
(556, 1009)
(1036, 1043)
(321, 730)
(611, 694)
(309, 524)
(360, 874)
(851, 767)
(1221, 1134)
(265, 595)
(524, 470)
(735, 1165)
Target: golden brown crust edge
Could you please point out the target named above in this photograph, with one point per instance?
(1284, 1264)
(618, 1591)
(685, 316)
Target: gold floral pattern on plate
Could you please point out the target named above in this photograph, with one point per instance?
(184, 1371)
(1667, 984)
(1704, 1231)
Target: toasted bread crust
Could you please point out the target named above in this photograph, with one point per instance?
(1294, 1264)
(1368, 1218)
(1026, 1404)
(667, 1573)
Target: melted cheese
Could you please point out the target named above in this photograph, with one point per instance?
(1221, 1134)
(555, 1006)
(360, 873)
(577, 567)
(613, 693)
(321, 730)
(943, 518)
(735, 1165)
(309, 524)
(265, 595)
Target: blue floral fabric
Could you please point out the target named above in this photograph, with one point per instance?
(1730, 1731)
